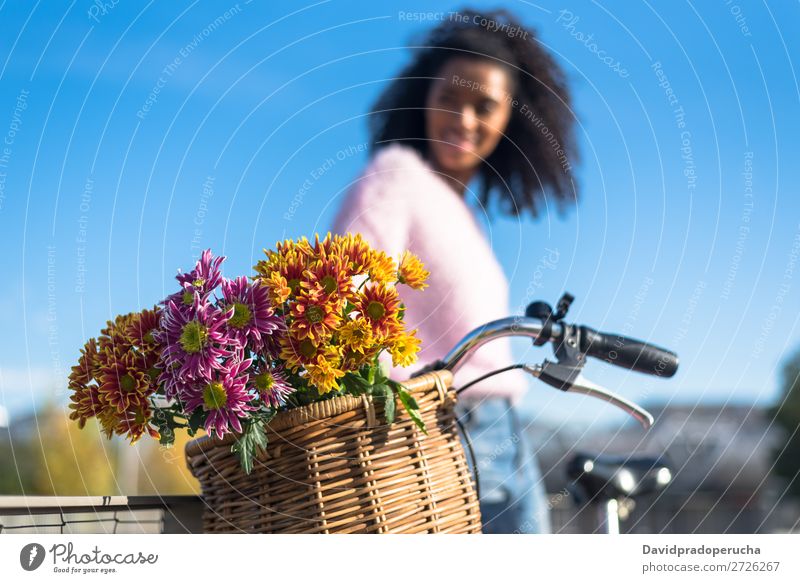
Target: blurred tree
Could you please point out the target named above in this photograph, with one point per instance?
(68, 461)
(46, 454)
(14, 479)
(787, 415)
(163, 470)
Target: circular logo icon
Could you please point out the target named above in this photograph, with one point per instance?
(31, 556)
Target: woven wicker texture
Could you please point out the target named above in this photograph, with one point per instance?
(336, 467)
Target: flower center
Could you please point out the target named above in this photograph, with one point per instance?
(264, 382)
(329, 284)
(307, 348)
(375, 310)
(188, 298)
(241, 316)
(193, 337)
(315, 314)
(214, 396)
(293, 284)
(127, 383)
(199, 282)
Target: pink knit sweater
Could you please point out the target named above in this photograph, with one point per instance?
(400, 203)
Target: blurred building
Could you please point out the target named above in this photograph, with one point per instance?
(722, 461)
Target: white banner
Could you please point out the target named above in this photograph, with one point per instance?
(417, 559)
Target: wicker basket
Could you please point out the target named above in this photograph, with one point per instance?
(336, 467)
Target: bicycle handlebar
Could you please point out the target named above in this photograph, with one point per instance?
(628, 353)
(614, 349)
(517, 326)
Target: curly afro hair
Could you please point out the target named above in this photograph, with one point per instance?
(535, 157)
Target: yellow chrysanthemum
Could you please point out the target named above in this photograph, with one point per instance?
(411, 271)
(353, 361)
(404, 348)
(382, 268)
(356, 335)
(279, 290)
(323, 374)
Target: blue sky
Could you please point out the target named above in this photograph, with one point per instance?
(136, 135)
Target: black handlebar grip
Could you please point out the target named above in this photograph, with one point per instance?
(628, 353)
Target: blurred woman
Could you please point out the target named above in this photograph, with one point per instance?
(479, 121)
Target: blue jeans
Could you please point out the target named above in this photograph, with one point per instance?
(513, 498)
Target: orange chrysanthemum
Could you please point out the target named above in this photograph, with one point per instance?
(136, 422)
(114, 335)
(354, 252)
(289, 264)
(123, 383)
(380, 305)
(323, 249)
(327, 279)
(85, 402)
(314, 317)
(84, 371)
(140, 327)
(297, 353)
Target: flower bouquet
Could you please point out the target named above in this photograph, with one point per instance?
(227, 355)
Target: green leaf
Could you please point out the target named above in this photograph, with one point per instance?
(383, 393)
(195, 421)
(412, 408)
(249, 444)
(167, 436)
(355, 384)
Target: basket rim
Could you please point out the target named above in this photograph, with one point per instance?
(440, 379)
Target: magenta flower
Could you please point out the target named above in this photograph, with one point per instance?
(252, 321)
(273, 387)
(194, 341)
(224, 397)
(203, 279)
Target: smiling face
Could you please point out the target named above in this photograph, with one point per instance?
(467, 111)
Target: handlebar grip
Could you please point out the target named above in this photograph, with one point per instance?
(628, 353)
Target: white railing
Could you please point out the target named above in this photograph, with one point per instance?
(100, 514)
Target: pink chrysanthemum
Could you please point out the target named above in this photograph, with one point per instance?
(252, 322)
(203, 279)
(224, 397)
(273, 386)
(194, 340)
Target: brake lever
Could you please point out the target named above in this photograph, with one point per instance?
(570, 381)
(566, 375)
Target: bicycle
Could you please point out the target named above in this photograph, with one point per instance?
(608, 482)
